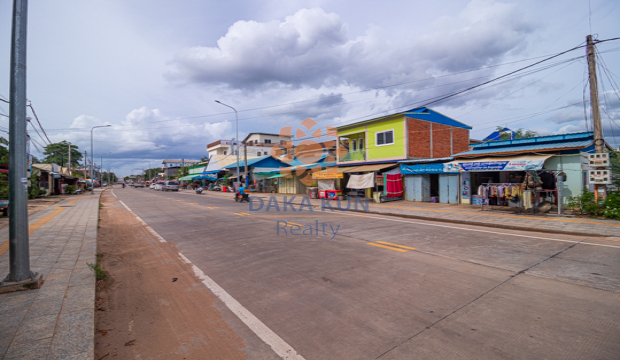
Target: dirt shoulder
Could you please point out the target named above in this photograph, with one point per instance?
(152, 306)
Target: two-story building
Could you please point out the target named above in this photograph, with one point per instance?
(376, 146)
(258, 144)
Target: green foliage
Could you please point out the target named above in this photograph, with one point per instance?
(519, 134)
(58, 153)
(614, 159)
(34, 190)
(69, 189)
(204, 159)
(586, 205)
(100, 274)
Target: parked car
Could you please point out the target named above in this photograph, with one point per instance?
(152, 186)
(139, 184)
(171, 185)
(159, 185)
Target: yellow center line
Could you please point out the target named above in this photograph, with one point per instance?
(386, 247)
(401, 246)
(193, 203)
(4, 247)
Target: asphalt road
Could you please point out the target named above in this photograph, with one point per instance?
(343, 285)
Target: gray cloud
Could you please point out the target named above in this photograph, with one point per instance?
(312, 49)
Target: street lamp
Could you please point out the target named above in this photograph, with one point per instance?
(92, 161)
(237, 137)
(113, 162)
(102, 162)
(166, 157)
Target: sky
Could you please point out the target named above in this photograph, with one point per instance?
(153, 69)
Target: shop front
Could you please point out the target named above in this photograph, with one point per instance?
(381, 182)
(431, 183)
(520, 181)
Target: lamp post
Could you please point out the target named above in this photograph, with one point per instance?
(166, 157)
(109, 171)
(92, 161)
(236, 137)
(100, 172)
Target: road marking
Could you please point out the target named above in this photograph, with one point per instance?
(241, 214)
(277, 344)
(4, 247)
(400, 246)
(386, 247)
(483, 231)
(179, 200)
(193, 203)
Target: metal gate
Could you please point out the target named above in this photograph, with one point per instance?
(449, 188)
(418, 188)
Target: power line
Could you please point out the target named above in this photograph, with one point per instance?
(37, 118)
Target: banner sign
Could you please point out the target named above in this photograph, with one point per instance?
(479, 200)
(424, 169)
(327, 175)
(512, 165)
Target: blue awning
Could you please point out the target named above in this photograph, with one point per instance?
(423, 169)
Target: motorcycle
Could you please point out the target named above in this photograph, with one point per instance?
(123, 186)
(242, 197)
(199, 190)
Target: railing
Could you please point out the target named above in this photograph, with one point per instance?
(354, 155)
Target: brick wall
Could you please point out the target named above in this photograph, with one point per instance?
(420, 139)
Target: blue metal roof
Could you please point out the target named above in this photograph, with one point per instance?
(555, 139)
(424, 113)
(496, 135)
(529, 148)
(264, 161)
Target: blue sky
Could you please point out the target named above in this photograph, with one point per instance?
(153, 69)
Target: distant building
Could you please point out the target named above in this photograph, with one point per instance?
(171, 167)
(258, 144)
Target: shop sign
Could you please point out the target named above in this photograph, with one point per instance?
(512, 165)
(479, 200)
(423, 169)
(327, 175)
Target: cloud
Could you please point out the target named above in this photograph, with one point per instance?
(142, 129)
(312, 49)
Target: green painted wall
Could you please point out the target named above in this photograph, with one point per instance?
(571, 165)
(387, 151)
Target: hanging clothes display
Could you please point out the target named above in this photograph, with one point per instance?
(361, 181)
(394, 185)
(326, 184)
(527, 199)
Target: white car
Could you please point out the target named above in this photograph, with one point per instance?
(152, 186)
(159, 185)
(171, 186)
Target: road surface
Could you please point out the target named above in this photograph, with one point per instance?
(345, 285)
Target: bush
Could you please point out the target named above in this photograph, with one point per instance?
(70, 189)
(586, 205)
(34, 190)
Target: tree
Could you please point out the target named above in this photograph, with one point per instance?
(519, 134)
(58, 153)
(614, 159)
(204, 159)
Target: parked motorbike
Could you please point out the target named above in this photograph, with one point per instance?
(123, 186)
(199, 190)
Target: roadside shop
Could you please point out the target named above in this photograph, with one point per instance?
(427, 180)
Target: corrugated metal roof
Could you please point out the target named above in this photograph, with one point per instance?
(416, 161)
(529, 148)
(422, 113)
(556, 139)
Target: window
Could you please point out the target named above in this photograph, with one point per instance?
(354, 145)
(224, 152)
(267, 141)
(258, 153)
(361, 144)
(385, 138)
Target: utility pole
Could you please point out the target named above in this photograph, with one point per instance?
(245, 151)
(85, 160)
(69, 159)
(599, 142)
(19, 243)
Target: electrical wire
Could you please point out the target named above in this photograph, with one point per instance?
(40, 126)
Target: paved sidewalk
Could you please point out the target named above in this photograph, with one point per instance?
(500, 217)
(57, 320)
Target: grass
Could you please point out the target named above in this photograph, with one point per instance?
(100, 274)
(100, 205)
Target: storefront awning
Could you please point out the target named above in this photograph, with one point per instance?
(278, 175)
(373, 167)
(504, 163)
(332, 172)
(188, 177)
(416, 169)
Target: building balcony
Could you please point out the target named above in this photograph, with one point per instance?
(354, 156)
